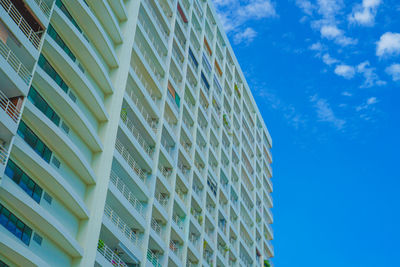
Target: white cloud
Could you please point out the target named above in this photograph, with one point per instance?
(332, 32)
(370, 101)
(345, 93)
(306, 6)
(328, 60)
(345, 71)
(325, 112)
(364, 13)
(394, 71)
(371, 78)
(316, 46)
(235, 14)
(329, 9)
(246, 36)
(388, 44)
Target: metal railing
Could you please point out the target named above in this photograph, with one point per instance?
(161, 52)
(157, 20)
(150, 61)
(166, 172)
(9, 107)
(22, 24)
(3, 155)
(110, 255)
(136, 133)
(175, 249)
(147, 117)
(130, 160)
(14, 62)
(162, 199)
(156, 226)
(179, 221)
(127, 193)
(122, 226)
(44, 7)
(153, 259)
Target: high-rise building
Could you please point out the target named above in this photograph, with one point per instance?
(128, 137)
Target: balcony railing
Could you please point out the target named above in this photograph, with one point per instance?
(136, 133)
(175, 249)
(9, 107)
(127, 193)
(3, 155)
(153, 258)
(150, 35)
(179, 221)
(195, 240)
(162, 199)
(130, 160)
(110, 255)
(14, 62)
(150, 61)
(157, 20)
(24, 26)
(122, 226)
(44, 7)
(166, 172)
(156, 226)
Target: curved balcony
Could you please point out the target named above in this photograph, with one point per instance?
(49, 176)
(94, 30)
(63, 104)
(82, 49)
(108, 20)
(62, 146)
(44, 221)
(76, 79)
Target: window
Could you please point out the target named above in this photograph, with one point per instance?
(56, 37)
(42, 105)
(15, 225)
(193, 57)
(66, 13)
(203, 77)
(24, 181)
(2, 264)
(45, 65)
(33, 141)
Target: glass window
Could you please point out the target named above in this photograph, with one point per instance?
(33, 141)
(15, 225)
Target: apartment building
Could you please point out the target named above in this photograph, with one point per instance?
(128, 137)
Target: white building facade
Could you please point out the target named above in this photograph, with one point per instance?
(128, 137)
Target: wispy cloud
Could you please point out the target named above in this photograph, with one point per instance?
(247, 36)
(328, 60)
(325, 112)
(368, 103)
(388, 45)
(370, 76)
(289, 112)
(394, 71)
(235, 15)
(364, 13)
(345, 71)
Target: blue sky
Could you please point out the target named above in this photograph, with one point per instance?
(326, 77)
